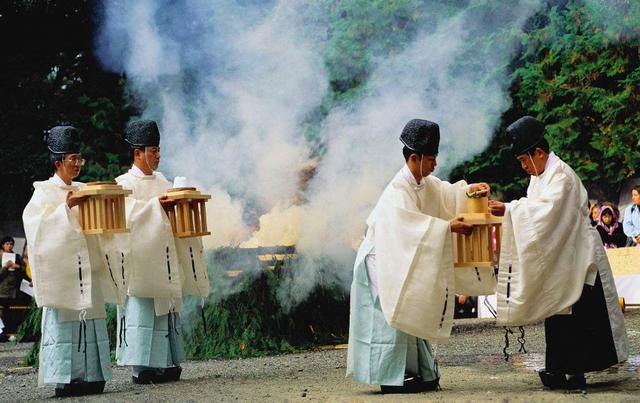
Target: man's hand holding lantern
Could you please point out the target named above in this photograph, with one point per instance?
(459, 226)
(166, 203)
(481, 189)
(496, 208)
(73, 200)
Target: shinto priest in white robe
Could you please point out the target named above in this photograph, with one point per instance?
(72, 283)
(404, 283)
(149, 331)
(553, 267)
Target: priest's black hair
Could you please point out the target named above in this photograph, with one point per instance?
(53, 157)
(7, 239)
(133, 152)
(543, 144)
(406, 151)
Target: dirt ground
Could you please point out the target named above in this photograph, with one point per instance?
(473, 369)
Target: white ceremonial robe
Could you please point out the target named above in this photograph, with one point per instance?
(68, 268)
(550, 251)
(408, 293)
(72, 283)
(194, 270)
(475, 281)
(154, 270)
(414, 253)
(149, 334)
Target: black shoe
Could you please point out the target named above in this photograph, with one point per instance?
(159, 375)
(74, 388)
(94, 388)
(413, 384)
(576, 382)
(551, 380)
(561, 381)
(169, 375)
(430, 386)
(3, 338)
(146, 376)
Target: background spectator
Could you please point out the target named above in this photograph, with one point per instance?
(11, 275)
(631, 222)
(594, 214)
(609, 229)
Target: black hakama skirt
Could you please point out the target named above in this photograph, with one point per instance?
(582, 341)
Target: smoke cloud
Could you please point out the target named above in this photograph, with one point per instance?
(232, 85)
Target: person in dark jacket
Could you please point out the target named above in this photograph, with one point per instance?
(610, 229)
(11, 274)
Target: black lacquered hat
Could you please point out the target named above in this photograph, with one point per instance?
(62, 140)
(421, 136)
(142, 133)
(525, 134)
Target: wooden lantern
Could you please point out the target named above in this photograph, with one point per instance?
(104, 211)
(189, 216)
(476, 249)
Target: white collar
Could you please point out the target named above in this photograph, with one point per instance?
(551, 161)
(408, 176)
(135, 171)
(60, 182)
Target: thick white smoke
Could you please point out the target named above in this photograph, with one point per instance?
(363, 147)
(231, 84)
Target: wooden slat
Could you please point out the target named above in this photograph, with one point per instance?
(107, 214)
(100, 211)
(485, 239)
(476, 244)
(468, 252)
(490, 241)
(87, 218)
(93, 214)
(112, 210)
(195, 206)
(498, 240)
(172, 220)
(186, 217)
(116, 212)
(203, 213)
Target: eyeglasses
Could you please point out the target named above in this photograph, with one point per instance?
(75, 161)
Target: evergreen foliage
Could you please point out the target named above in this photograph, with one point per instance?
(29, 331)
(253, 322)
(582, 82)
(49, 76)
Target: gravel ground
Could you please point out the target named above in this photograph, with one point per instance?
(472, 366)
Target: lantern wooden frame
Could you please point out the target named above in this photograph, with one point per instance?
(476, 249)
(104, 211)
(189, 216)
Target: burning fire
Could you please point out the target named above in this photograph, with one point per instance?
(281, 226)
